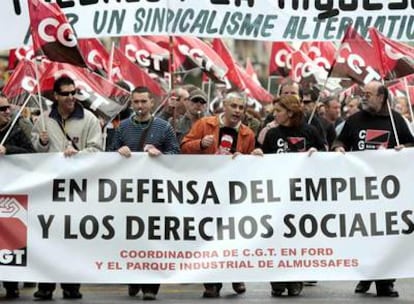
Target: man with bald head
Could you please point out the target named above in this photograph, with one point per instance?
(371, 129)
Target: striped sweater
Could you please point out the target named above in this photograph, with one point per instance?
(160, 134)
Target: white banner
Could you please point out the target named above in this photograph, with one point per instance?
(272, 20)
(106, 219)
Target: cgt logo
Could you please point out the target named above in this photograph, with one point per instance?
(13, 227)
(50, 29)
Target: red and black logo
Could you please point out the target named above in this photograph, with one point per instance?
(296, 144)
(13, 227)
(377, 139)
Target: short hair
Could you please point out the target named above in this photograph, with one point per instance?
(233, 95)
(62, 81)
(140, 90)
(311, 92)
(291, 82)
(327, 100)
(382, 90)
(292, 104)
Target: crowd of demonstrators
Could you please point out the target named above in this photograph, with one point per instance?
(232, 128)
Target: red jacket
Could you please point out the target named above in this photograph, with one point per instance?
(191, 143)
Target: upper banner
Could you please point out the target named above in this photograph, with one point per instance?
(273, 20)
(189, 218)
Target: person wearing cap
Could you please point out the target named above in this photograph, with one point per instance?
(196, 106)
(221, 134)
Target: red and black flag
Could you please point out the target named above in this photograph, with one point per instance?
(356, 59)
(18, 54)
(397, 59)
(280, 63)
(146, 53)
(95, 54)
(96, 93)
(52, 34)
(133, 75)
(22, 83)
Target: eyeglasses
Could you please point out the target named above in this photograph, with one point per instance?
(73, 93)
(199, 100)
(4, 108)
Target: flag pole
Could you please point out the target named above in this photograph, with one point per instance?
(19, 113)
(42, 118)
(170, 70)
(111, 61)
(394, 129)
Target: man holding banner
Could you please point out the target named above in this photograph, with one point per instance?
(222, 134)
(13, 141)
(69, 129)
(143, 133)
(376, 126)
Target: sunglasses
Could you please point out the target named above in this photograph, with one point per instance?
(4, 108)
(199, 100)
(73, 93)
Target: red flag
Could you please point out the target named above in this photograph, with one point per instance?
(202, 55)
(280, 59)
(233, 73)
(251, 71)
(254, 89)
(306, 71)
(95, 54)
(168, 43)
(134, 75)
(322, 53)
(403, 86)
(356, 59)
(397, 59)
(16, 55)
(146, 53)
(52, 34)
(21, 82)
(96, 93)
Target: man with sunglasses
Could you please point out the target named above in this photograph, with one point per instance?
(196, 106)
(69, 128)
(15, 143)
